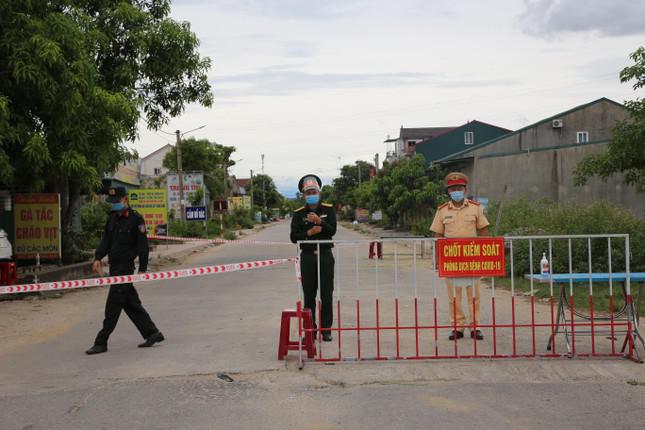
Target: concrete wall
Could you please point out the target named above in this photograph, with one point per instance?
(597, 119)
(539, 161)
(549, 173)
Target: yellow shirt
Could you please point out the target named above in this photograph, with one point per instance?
(462, 221)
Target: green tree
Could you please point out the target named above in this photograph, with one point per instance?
(626, 151)
(327, 193)
(349, 181)
(265, 193)
(405, 191)
(209, 157)
(76, 76)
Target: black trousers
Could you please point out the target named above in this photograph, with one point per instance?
(309, 272)
(124, 297)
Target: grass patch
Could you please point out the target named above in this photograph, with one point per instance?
(580, 293)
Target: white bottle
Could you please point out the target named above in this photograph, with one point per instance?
(544, 267)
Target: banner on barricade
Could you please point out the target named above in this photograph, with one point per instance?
(477, 256)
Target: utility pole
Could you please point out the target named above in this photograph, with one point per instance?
(180, 175)
(180, 171)
(359, 172)
(264, 196)
(251, 188)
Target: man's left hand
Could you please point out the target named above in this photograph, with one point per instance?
(313, 218)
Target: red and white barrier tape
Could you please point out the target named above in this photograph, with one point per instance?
(143, 277)
(239, 242)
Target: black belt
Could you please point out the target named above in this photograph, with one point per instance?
(315, 251)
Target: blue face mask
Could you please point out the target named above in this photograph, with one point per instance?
(118, 207)
(312, 199)
(457, 196)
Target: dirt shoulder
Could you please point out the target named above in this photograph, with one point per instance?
(38, 317)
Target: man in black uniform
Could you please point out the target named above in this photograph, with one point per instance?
(124, 238)
(316, 221)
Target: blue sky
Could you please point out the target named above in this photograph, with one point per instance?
(315, 85)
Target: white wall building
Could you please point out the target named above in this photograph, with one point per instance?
(152, 164)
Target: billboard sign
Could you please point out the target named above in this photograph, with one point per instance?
(151, 203)
(193, 181)
(241, 202)
(196, 213)
(37, 226)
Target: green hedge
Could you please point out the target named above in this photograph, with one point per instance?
(522, 217)
(93, 217)
(239, 219)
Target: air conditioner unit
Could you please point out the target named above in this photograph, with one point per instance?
(557, 123)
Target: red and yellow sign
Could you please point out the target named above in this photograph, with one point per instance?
(476, 256)
(37, 224)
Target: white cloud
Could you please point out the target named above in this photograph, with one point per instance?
(544, 18)
(333, 79)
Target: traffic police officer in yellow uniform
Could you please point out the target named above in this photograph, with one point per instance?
(316, 221)
(124, 239)
(461, 217)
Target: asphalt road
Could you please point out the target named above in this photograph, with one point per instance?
(218, 368)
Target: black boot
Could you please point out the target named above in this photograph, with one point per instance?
(96, 349)
(456, 333)
(157, 337)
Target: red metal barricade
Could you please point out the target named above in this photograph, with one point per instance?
(398, 308)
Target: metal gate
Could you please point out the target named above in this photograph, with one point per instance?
(397, 308)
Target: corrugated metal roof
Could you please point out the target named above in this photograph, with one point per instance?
(423, 132)
(540, 122)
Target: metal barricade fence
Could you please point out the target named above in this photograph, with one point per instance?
(398, 307)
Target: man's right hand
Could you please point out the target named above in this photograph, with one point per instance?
(314, 230)
(96, 266)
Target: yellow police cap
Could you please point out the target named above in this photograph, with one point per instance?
(455, 178)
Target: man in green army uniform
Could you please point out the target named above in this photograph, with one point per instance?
(316, 221)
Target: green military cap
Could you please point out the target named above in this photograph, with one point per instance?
(309, 182)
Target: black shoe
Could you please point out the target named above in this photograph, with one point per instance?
(327, 337)
(457, 333)
(476, 333)
(96, 349)
(157, 337)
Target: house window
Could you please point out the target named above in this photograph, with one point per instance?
(469, 138)
(582, 137)
(157, 171)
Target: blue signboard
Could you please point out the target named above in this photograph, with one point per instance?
(196, 213)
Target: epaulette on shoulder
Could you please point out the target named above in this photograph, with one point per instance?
(327, 205)
(299, 209)
(474, 202)
(443, 205)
